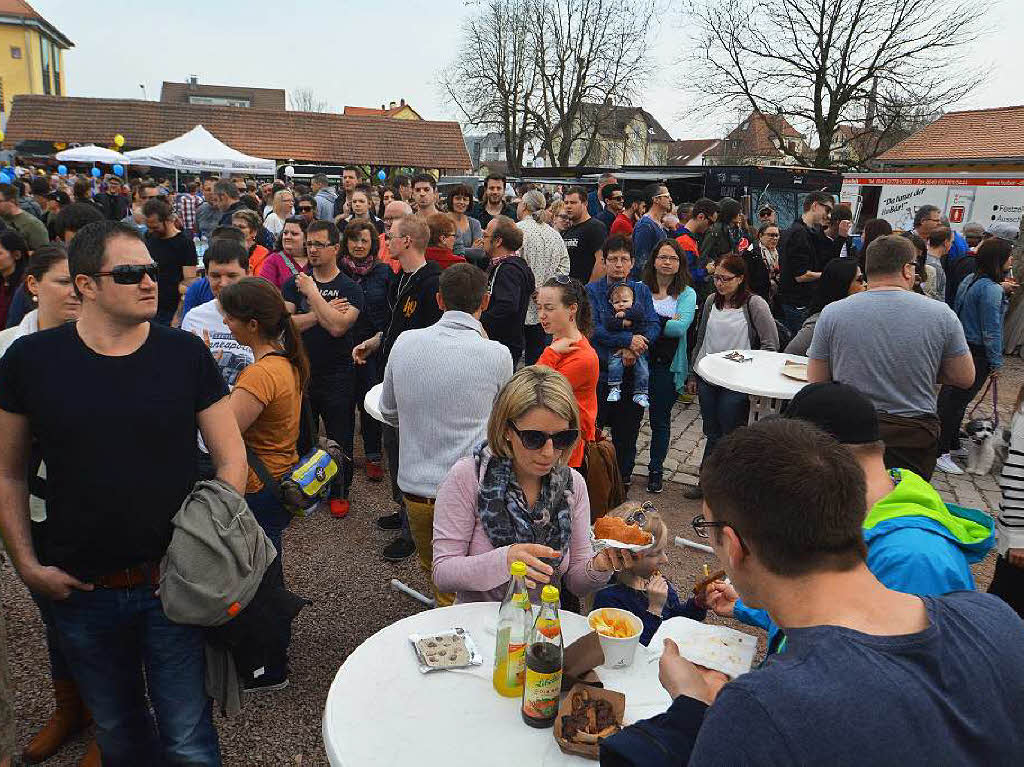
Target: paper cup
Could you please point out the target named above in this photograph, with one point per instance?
(618, 653)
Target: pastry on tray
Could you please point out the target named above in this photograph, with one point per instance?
(616, 529)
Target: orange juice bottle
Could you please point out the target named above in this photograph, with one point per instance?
(515, 617)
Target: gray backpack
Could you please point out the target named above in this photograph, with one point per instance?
(217, 557)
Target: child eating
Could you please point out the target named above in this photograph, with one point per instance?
(625, 316)
(641, 589)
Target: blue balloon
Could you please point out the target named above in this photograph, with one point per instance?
(96, 173)
(118, 170)
(6, 178)
(62, 170)
(381, 175)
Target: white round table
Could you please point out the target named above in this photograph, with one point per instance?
(382, 711)
(761, 378)
(371, 402)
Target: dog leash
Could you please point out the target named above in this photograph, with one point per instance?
(993, 384)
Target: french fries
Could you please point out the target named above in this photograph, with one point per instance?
(610, 625)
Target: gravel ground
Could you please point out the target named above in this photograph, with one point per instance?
(336, 564)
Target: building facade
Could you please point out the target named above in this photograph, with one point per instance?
(31, 55)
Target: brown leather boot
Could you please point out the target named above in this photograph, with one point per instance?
(68, 719)
(92, 756)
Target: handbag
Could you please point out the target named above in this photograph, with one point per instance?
(604, 481)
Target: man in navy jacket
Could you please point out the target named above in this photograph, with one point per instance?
(622, 417)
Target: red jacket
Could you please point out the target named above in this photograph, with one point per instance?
(621, 225)
(443, 256)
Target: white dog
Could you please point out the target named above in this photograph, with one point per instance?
(983, 439)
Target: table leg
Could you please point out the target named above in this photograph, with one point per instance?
(764, 406)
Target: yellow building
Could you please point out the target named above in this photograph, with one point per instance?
(31, 54)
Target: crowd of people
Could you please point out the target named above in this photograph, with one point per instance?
(511, 329)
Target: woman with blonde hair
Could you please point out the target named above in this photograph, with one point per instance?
(516, 499)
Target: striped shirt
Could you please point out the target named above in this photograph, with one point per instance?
(1010, 522)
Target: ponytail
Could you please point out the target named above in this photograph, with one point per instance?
(253, 298)
(573, 292)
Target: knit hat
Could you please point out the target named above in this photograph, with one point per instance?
(838, 409)
(1003, 230)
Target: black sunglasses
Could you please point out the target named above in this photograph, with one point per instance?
(535, 440)
(305, 208)
(130, 274)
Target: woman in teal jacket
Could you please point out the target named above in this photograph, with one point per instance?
(668, 276)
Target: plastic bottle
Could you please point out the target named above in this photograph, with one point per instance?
(544, 657)
(515, 620)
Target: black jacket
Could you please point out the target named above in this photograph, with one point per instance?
(480, 213)
(511, 284)
(225, 220)
(376, 312)
(412, 300)
(114, 206)
(798, 253)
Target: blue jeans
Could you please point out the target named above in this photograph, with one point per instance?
(722, 410)
(108, 637)
(641, 373)
(793, 317)
(58, 663)
(623, 419)
(663, 397)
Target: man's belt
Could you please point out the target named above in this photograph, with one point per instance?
(146, 574)
(419, 499)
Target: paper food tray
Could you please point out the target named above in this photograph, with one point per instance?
(717, 647)
(797, 370)
(600, 544)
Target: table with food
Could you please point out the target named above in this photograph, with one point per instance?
(770, 378)
(522, 682)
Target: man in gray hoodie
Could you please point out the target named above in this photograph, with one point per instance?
(325, 197)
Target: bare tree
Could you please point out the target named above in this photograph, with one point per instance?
(857, 75)
(552, 70)
(590, 56)
(492, 79)
(304, 100)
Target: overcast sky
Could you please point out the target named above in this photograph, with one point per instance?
(357, 52)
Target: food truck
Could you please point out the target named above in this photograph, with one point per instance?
(964, 197)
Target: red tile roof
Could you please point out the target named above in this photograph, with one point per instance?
(753, 137)
(259, 98)
(302, 136)
(371, 112)
(979, 134)
(682, 151)
(22, 10)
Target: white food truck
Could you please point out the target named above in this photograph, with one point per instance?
(963, 197)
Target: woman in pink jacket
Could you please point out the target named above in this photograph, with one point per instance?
(516, 499)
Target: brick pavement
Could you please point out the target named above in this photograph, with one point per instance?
(686, 447)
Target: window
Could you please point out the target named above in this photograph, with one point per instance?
(219, 101)
(15, 52)
(45, 58)
(56, 69)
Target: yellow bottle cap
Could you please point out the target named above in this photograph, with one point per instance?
(518, 568)
(549, 594)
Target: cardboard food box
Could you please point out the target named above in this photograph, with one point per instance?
(588, 750)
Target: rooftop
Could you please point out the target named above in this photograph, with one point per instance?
(682, 151)
(754, 138)
(974, 135)
(19, 11)
(280, 135)
(258, 98)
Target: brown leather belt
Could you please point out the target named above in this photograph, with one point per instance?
(419, 499)
(146, 574)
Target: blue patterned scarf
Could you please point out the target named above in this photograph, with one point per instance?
(502, 507)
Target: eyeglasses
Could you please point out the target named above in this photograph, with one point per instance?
(721, 278)
(769, 234)
(319, 245)
(562, 279)
(667, 257)
(533, 439)
(701, 526)
(305, 209)
(130, 274)
(618, 197)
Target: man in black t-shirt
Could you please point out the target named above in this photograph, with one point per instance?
(583, 238)
(800, 259)
(326, 306)
(119, 449)
(175, 255)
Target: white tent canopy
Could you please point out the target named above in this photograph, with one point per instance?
(200, 150)
(92, 153)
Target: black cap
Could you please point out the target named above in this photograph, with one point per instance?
(838, 409)
(61, 197)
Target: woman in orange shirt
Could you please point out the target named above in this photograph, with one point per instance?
(565, 315)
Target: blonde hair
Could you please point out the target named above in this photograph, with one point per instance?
(533, 386)
(654, 524)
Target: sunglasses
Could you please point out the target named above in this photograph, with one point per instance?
(618, 197)
(562, 279)
(130, 274)
(535, 440)
(305, 209)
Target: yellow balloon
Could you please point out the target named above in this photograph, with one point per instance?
(1, 135)
(119, 139)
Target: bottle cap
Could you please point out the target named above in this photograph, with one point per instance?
(549, 594)
(518, 568)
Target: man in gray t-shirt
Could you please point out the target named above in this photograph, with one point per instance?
(894, 346)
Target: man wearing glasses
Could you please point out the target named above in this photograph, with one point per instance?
(120, 457)
(325, 304)
(307, 208)
(614, 202)
(900, 672)
(799, 260)
(649, 231)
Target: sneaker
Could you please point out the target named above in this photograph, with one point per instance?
(960, 452)
(947, 465)
(339, 507)
(374, 471)
(642, 400)
(390, 521)
(266, 683)
(693, 493)
(399, 549)
(654, 482)
(614, 394)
